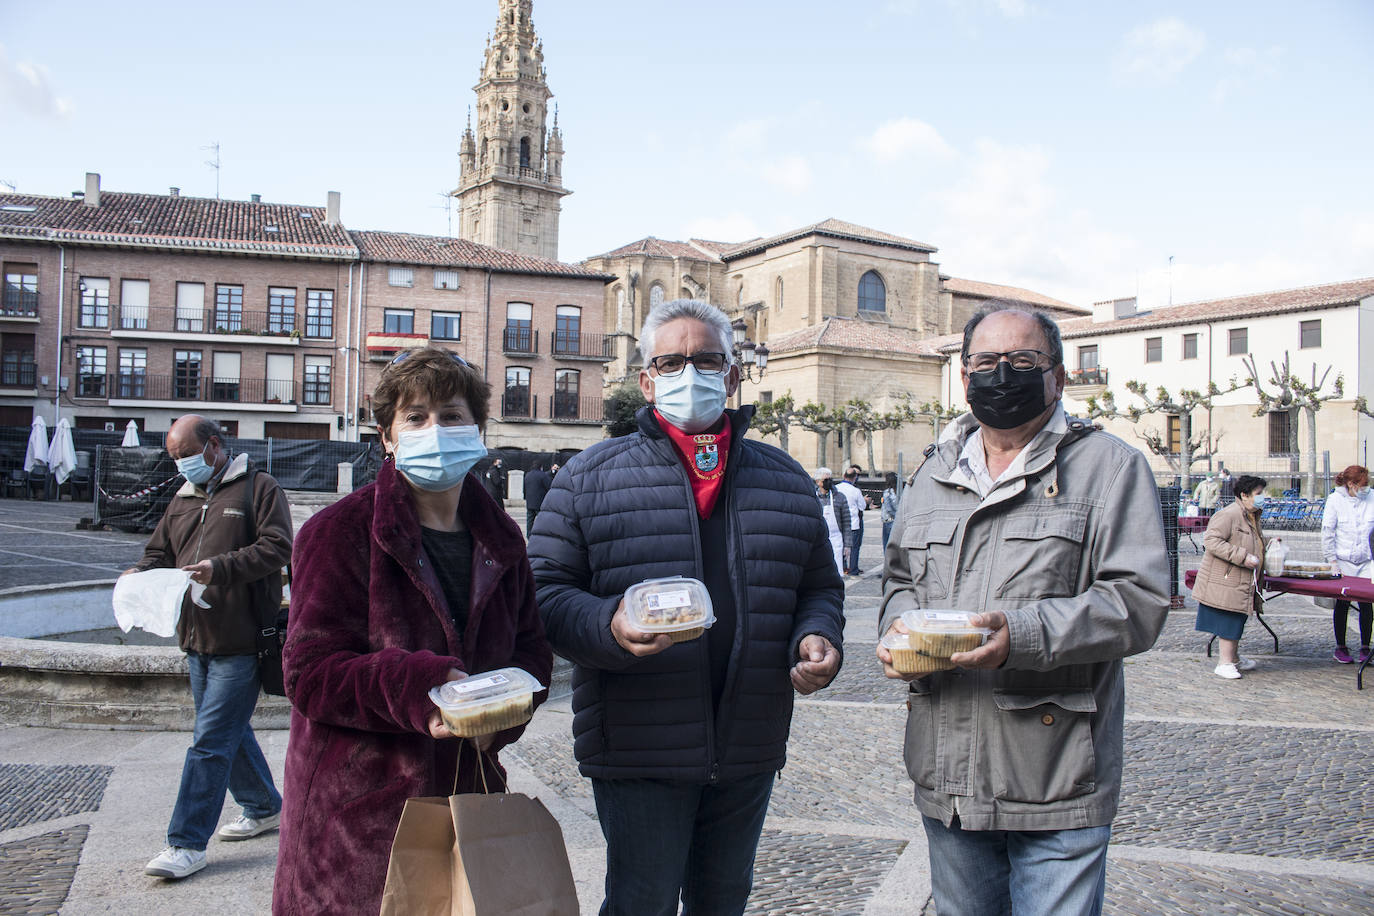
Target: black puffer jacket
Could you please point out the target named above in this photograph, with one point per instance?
(622, 512)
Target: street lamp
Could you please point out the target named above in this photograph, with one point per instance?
(748, 355)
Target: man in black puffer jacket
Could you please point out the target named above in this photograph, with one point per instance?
(682, 740)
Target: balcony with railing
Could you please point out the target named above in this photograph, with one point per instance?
(565, 408)
(136, 320)
(572, 345)
(17, 369)
(519, 404)
(137, 386)
(18, 303)
(1086, 382)
(519, 340)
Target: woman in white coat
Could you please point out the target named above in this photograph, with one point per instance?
(835, 508)
(1347, 521)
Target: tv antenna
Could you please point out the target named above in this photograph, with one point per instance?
(214, 164)
(448, 210)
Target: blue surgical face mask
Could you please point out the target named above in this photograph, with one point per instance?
(689, 400)
(1259, 500)
(195, 468)
(437, 457)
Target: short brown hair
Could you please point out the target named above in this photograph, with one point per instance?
(1356, 475)
(433, 373)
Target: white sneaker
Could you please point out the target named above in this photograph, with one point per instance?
(245, 828)
(176, 862)
(1227, 671)
(1246, 664)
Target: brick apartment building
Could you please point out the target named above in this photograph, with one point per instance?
(275, 319)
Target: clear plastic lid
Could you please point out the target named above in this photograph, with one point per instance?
(895, 640)
(478, 690)
(942, 622)
(669, 605)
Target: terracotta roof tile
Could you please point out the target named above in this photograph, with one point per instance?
(441, 251)
(829, 227)
(662, 248)
(1014, 293)
(164, 221)
(853, 334)
(1274, 302)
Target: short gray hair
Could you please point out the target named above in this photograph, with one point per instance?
(705, 312)
(1048, 327)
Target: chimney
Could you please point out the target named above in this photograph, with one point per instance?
(174, 192)
(92, 189)
(1114, 309)
(331, 213)
(256, 198)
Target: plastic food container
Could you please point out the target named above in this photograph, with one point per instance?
(678, 606)
(907, 660)
(941, 633)
(489, 702)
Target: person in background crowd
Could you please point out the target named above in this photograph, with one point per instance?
(889, 505)
(1208, 495)
(1226, 588)
(537, 483)
(849, 488)
(205, 532)
(835, 511)
(1050, 531)
(554, 468)
(1228, 488)
(682, 740)
(1347, 526)
(415, 580)
(497, 475)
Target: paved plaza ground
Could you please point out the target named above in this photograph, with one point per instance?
(1244, 796)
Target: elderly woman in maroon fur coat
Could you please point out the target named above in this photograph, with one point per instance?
(412, 581)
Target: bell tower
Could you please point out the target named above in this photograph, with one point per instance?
(511, 166)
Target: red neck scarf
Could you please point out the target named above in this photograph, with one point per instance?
(703, 454)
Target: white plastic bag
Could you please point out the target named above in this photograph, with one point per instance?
(1274, 555)
(151, 600)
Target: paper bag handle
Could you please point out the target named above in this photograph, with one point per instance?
(481, 770)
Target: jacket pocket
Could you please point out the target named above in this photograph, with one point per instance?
(1041, 552)
(929, 546)
(1041, 746)
(921, 734)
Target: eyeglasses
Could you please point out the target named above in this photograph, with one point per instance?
(671, 364)
(1019, 359)
(401, 357)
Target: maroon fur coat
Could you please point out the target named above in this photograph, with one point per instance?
(370, 633)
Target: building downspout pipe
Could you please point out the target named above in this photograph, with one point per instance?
(357, 337)
(57, 373)
(349, 418)
(486, 347)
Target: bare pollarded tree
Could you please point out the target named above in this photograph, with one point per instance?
(1291, 394)
(1192, 448)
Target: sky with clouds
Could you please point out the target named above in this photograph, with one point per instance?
(1070, 147)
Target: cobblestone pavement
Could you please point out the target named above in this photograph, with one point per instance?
(1238, 796)
(36, 873)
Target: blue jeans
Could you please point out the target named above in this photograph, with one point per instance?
(666, 840)
(887, 533)
(1040, 872)
(223, 752)
(856, 539)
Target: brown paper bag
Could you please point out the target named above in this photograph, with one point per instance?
(478, 855)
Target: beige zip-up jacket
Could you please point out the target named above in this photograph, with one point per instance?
(1072, 551)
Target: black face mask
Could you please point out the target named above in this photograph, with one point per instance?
(1005, 398)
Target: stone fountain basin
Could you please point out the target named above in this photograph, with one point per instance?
(49, 683)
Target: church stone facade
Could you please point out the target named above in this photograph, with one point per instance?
(511, 168)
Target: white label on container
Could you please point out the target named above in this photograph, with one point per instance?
(663, 600)
(470, 684)
(945, 617)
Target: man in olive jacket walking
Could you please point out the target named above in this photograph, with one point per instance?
(1050, 531)
(230, 528)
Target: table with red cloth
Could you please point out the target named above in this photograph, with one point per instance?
(1341, 588)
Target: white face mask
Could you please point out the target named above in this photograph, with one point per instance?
(689, 400)
(437, 457)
